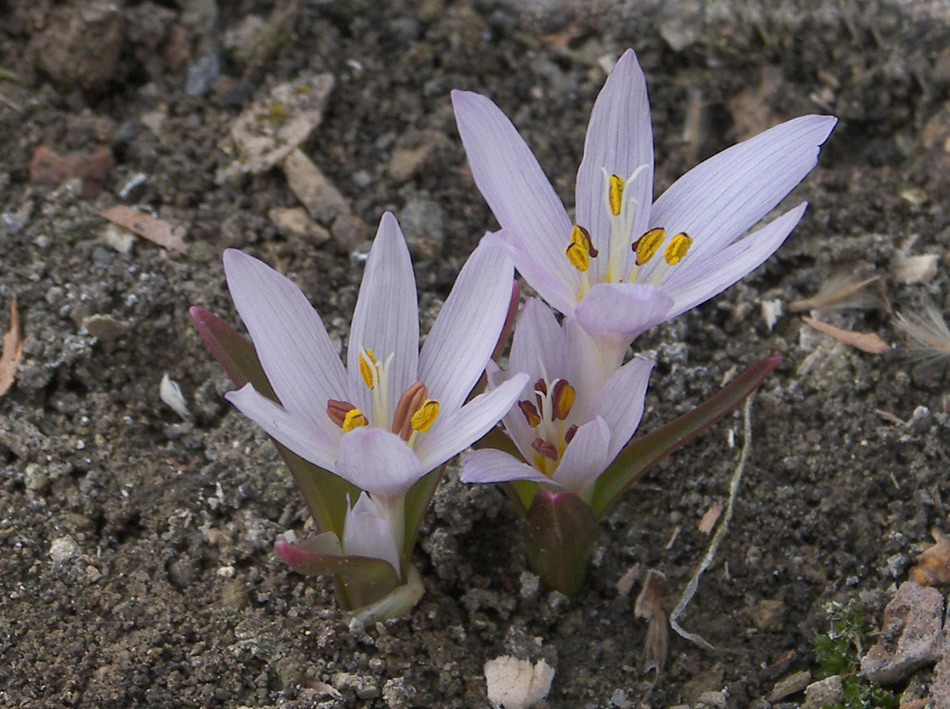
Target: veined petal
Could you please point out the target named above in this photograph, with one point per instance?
(492, 466)
(585, 368)
(291, 342)
(619, 140)
(462, 427)
(514, 185)
(514, 421)
(378, 461)
(386, 318)
(537, 339)
(585, 458)
(720, 199)
(615, 314)
(466, 331)
(366, 533)
(701, 280)
(293, 430)
(559, 295)
(621, 402)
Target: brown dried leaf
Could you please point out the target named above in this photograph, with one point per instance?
(12, 350)
(837, 293)
(864, 341)
(933, 566)
(155, 230)
(708, 522)
(649, 607)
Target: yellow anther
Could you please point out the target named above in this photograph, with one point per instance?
(615, 194)
(677, 249)
(423, 419)
(647, 245)
(368, 362)
(580, 250)
(354, 419)
(562, 400)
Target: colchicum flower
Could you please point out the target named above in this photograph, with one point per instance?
(570, 422)
(627, 263)
(393, 413)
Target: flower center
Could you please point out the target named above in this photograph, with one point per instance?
(415, 412)
(547, 415)
(621, 208)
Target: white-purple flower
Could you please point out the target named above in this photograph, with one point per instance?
(393, 413)
(570, 422)
(627, 263)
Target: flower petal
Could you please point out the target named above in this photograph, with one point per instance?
(701, 280)
(515, 187)
(621, 402)
(537, 340)
(366, 533)
(293, 430)
(619, 140)
(378, 461)
(615, 314)
(585, 368)
(720, 199)
(464, 426)
(492, 466)
(467, 329)
(386, 318)
(585, 458)
(535, 272)
(291, 342)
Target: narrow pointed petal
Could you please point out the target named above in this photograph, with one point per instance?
(378, 462)
(492, 466)
(702, 280)
(537, 339)
(386, 318)
(293, 430)
(615, 314)
(619, 140)
(585, 457)
(466, 331)
(559, 295)
(622, 400)
(519, 431)
(367, 533)
(464, 426)
(585, 368)
(514, 185)
(292, 344)
(720, 199)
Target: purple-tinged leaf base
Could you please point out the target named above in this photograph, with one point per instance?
(560, 531)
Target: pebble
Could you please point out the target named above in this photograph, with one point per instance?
(63, 549)
(202, 74)
(824, 693)
(790, 685)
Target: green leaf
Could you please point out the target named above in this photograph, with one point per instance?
(641, 455)
(416, 504)
(560, 531)
(324, 492)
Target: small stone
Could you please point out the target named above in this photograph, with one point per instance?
(37, 478)
(104, 327)
(408, 160)
(52, 168)
(713, 700)
(181, 573)
(824, 693)
(295, 220)
(118, 238)
(63, 549)
(792, 684)
(910, 636)
(768, 614)
(422, 221)
(314, 189)
(202, 74)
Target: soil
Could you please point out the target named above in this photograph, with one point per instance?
(137, 564)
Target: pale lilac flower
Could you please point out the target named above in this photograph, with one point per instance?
(366, 533)
(627, 263)
(570, 422)
(393, 413)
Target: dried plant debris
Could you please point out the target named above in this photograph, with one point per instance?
(914, 269)
(649, 607)
(927, 336)
(170, 393)
(517, 684)
(155, 230)
(12, 350)
(865, 341)
(840, 293)
(933, 565)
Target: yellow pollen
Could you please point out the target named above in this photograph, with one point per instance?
(647, 245)
(367, 363)
(423, 419)
(579, 251)
(677, 249)
(354, 419)
(615, 195)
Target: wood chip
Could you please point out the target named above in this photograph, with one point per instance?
(864, 341)
(12, 350)
(708, 522)
(155, 230)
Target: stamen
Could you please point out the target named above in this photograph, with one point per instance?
(562, 400)
(368, 364)
(354, 419)
(677, 249)
(647, 245)
(425, 417)
(530, 412)
(615, 194)
(409, 403)
(541, 386)
(337, 411)
(581, 249)
(569, 436)
(545, 449)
